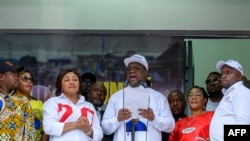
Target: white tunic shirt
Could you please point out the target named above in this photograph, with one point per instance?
(59, 110)
(163, 121)
(211, 106)
(234, 108)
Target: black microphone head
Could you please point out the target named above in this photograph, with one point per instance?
(143, 83)
(125, 84)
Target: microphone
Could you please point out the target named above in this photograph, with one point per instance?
(143, 83)
(125, 84)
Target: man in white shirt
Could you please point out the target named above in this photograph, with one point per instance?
(234, 107)
(152, 120)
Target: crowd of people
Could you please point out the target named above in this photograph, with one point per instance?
(77, 111)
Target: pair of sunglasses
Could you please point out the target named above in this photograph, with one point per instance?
(214, 81)
(26, 79)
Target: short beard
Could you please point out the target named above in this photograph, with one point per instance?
(97, 103)
(215, 94)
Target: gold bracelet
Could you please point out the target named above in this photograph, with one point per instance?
(89, 132)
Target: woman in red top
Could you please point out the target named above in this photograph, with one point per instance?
(195, 126)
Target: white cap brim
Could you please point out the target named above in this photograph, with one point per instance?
(134, 58)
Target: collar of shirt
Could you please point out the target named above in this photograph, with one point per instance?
(98, 109)
(4, 95)
(81, 98)
(234, 86)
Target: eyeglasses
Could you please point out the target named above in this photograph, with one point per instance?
(136, 68)
(214, 81)
(26, 79)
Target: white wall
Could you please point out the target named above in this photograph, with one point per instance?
(142, 15)
(125, 14)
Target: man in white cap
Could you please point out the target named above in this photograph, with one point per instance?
(234, 106)
(154, 119)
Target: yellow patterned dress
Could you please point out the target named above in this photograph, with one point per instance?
(16, 119)
(36, 106)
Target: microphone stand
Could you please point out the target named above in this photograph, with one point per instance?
(125, 84)
(134, 121)
(144, 84)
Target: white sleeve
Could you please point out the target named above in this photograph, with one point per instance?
(109, 121)
(164, 120)
(241, 102)
(50, 118)
(97, 130)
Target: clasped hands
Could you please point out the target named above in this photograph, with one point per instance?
(83, 124)
(125, 114)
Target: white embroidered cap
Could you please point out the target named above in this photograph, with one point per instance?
(136, 58)
(231, 63)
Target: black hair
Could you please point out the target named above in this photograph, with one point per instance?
(201, 88)
(20, 70)
(89, 75)
(59, 78)
(246, 83)
(214, 72)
